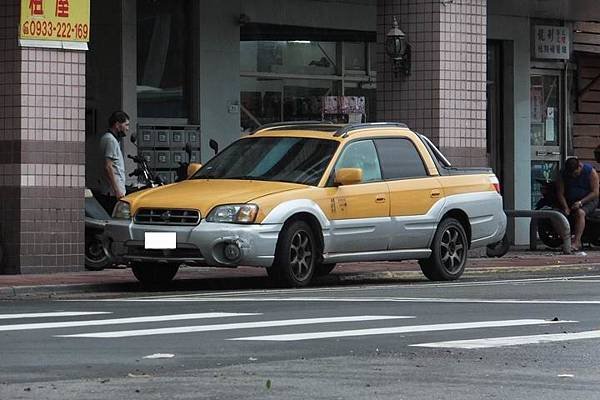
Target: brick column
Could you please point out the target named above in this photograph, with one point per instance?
(445, 95)
(42, 150)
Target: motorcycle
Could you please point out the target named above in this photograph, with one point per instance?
(96, 217)
(545, 229)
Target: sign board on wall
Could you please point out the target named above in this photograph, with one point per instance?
(552, 42)
(55, 23)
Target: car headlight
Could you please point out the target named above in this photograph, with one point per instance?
(122, 210)
(234, 213)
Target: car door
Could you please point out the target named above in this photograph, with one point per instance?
(413, 193)
(360, 213)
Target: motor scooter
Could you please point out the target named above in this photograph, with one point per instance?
(546, 232)
(96, 217)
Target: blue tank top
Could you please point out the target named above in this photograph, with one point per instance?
(577, 188)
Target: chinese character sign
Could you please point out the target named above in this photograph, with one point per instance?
(552, 42)
(57, 20)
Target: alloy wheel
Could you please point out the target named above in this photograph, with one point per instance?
(452, 249)
(301, 255)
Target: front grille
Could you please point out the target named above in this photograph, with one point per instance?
(162, 216)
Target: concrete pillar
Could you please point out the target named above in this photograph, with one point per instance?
(445, 95)
(42, 102)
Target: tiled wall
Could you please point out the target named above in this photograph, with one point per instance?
(445, 95)
(42, 153)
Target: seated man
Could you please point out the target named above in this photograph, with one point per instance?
(577, 195)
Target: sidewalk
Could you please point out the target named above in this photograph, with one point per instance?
(120, 280)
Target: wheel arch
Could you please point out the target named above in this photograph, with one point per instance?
(314, 224)
(461, 217)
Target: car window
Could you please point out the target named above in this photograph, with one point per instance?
(399, 159)
(361, 155)
(284, 159)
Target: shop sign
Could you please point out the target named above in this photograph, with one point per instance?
(552, 42)
(53, 23)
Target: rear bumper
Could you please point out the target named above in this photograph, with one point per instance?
(203, 244)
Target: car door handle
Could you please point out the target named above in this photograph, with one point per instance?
(435, 193)
(380, 199)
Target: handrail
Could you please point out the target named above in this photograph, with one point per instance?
(558, 220)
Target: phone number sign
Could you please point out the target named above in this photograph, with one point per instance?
(57, 20)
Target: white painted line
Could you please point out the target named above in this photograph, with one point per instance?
(241, 325)
(363, 300)
(52, 314)
(398, 329)
(118, 321)
(511, 340)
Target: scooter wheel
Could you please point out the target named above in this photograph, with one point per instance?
(96, 258)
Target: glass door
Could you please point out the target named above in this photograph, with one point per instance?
(546, 128)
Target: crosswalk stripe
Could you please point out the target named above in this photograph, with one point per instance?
(398, 329)
(117, 321)
(363, 300)
(241, 325)
(511, 340)
(52, 314)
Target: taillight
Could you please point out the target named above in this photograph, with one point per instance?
(495, 183)
(497, 187)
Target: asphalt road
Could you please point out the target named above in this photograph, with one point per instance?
(513, 338)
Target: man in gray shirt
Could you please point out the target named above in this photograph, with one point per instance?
(111, 185)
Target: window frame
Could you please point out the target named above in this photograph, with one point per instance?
(330, 180)
(381, 161)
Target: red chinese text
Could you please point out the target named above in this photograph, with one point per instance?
(62, 8)
(36, 7)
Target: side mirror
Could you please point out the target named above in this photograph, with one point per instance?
(193, 168)
(212, 143)
(348, 176)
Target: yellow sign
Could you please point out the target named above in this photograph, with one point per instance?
(59, 20)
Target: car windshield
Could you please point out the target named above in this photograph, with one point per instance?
(284, 159)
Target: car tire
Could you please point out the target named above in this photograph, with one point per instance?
(294, 264)
(154, 275)
(498, 249)
(448, 252)
(324, 269)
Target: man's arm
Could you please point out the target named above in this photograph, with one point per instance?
(593, 195)
(560, 194)
(110, 174)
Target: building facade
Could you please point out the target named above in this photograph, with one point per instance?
(513, 85)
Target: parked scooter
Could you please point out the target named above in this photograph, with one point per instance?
(96, 217)
(547, 233)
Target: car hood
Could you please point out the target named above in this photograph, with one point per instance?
(204, 194)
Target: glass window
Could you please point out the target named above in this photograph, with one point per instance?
(302, 57)
(284, 159)
(399, 159)
(361, 155)
(161, 55)
(355, 56)
(545, 112)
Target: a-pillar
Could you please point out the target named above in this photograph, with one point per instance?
(444, 97)
(42, 102)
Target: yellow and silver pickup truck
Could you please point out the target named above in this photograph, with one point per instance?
(297, 198)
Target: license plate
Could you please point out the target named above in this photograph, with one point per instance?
(160, 240)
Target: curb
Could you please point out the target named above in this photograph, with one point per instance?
(16, 292)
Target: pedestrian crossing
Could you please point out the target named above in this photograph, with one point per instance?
(309, 328)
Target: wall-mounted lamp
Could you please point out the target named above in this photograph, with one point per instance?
(398, 49)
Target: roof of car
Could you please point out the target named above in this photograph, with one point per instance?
(321, 129)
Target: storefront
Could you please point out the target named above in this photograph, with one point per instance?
(484, 93)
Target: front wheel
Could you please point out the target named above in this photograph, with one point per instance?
(448, 252)
(294, 263)
(154, 274)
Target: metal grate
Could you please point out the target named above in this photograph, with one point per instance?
(161, 216)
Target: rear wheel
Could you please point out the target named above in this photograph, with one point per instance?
(294, 263)
(154, 275)
(448, 252)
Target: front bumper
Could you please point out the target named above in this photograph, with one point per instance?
(203, 244)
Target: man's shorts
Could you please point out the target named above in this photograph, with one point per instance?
(590, 206)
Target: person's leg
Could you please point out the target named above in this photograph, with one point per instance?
(578, 227)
